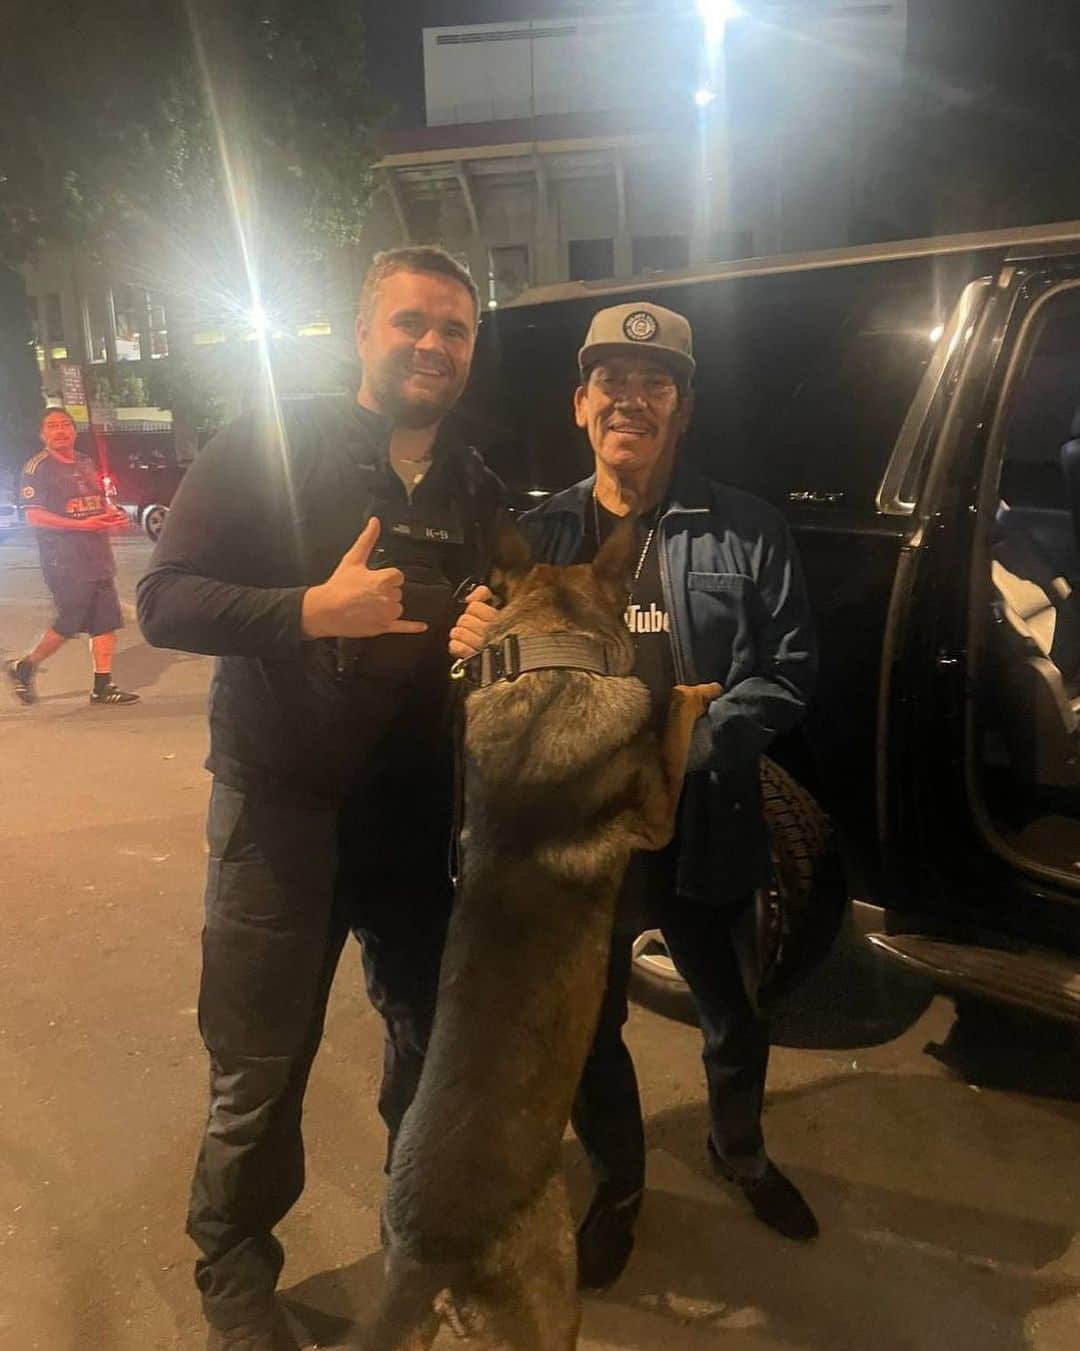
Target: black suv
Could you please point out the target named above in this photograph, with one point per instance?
(915, 412)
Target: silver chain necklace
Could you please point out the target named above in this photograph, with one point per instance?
(644, 548)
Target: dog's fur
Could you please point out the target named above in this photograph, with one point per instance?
(567, 774)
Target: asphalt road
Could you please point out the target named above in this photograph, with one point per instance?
(949, 1197)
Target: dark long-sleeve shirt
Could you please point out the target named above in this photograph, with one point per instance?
(266, 512)
(739, 615)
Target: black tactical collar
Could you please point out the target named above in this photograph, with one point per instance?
(516, 654)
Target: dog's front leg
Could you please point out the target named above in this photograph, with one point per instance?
(411, 1309)
(688, 703)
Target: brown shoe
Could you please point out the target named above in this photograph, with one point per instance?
(266, 1330)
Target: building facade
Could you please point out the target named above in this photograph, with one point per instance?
(594, 140)
(620, 139)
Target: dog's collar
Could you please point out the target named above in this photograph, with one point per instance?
(518, 653)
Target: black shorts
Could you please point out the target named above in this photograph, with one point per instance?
(85, 605)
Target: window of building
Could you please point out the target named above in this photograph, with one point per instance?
(129, 304)
(159, 327)
(660, 253)
(729, 245)
(508, 272)
(38, 335)
(97, 349)
(54, 325)
(592, 259)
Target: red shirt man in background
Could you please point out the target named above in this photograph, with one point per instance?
(64, 502)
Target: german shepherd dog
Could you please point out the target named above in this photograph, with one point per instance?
(566, 773)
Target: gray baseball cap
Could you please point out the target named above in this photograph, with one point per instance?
(640, 329)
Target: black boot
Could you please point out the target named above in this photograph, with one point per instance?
(266, 1329)
(606, 1239)
(774, 1199)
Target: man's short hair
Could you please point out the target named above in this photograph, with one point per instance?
(418, 258)
(50, 411)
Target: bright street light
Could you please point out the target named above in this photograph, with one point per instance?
(719, 11)
(704, 97)
(716, 15)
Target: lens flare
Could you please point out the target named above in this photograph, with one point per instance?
(715, 16)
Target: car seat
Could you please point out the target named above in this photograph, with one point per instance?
(1070, 467)
(1036, 650)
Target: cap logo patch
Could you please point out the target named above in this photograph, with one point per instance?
(640, 326)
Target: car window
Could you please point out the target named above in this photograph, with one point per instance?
(1044, 412)
(804, 379)
(815, 382)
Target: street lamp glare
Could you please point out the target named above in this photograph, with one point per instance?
(704, 97)
(716, 13)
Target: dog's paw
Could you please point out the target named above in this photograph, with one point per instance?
(697, 697)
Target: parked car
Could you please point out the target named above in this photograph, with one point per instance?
(914, 409)
(139, 469)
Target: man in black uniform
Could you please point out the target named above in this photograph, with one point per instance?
(292, 553)
(716, 594)
(64, 502)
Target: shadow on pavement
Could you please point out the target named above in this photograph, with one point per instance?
(928, 1245)
(927, 1239)
(995, 1047)
(871, 1281)
(140, 667)
(327, 1303)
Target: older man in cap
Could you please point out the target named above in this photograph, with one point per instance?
(716, 595)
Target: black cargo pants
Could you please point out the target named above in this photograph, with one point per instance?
(285, 885)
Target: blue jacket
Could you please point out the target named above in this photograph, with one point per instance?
(740, 616)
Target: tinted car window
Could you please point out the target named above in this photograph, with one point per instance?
(1046, 405)
(803, 381)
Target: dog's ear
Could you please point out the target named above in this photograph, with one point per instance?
(613, 566)
(512, 559)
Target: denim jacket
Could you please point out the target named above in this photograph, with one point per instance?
(739, 616)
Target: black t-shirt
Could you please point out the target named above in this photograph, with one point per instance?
(646, 612)
(71, 489)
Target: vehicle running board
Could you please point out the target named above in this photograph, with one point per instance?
(1032, 980)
